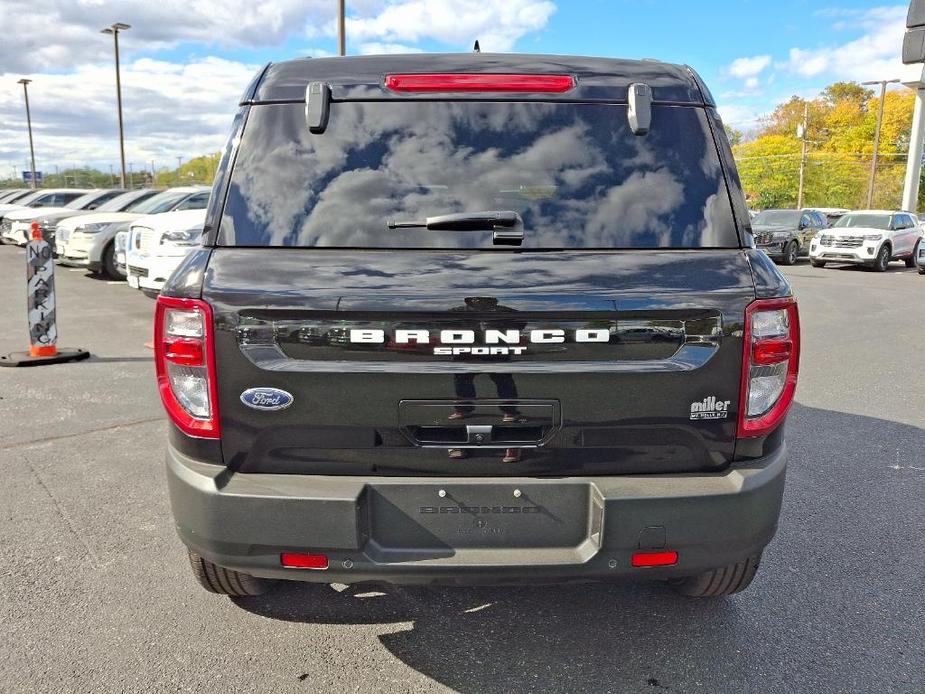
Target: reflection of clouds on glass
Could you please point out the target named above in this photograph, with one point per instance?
(576, 175)
(710, 230)
(640, 204)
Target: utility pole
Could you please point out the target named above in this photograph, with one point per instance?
(341, 32)
(131, 177)
(153, 174)
(801, 133)
(873, 164)
(114, 30)
(179, 163)
(25, 90)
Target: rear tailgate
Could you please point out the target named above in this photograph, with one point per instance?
(624, 361)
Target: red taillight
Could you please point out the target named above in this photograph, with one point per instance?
(184, 350)
(654, 559)
(480, 83)
(298, 560)
(770, 364)
(184, 358)
(771, 351)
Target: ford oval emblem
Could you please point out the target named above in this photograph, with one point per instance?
(266, 398)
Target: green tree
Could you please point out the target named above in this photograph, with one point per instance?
(846, 91)
(768, 166)
(842, 121)
(735, 136)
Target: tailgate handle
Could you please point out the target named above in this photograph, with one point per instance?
(478, 435)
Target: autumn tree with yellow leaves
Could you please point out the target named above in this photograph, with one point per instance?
(842, 121)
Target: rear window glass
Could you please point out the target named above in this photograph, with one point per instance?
(574, 172)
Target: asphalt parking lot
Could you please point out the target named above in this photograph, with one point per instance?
(96, 595)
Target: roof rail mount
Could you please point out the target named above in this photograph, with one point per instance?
(639, 107)
(317, 106)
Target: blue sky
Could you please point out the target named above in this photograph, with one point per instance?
(186, 61)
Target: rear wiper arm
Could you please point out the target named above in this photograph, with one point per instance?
(506, 225)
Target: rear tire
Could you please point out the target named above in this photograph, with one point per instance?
(790, 255)
(817, 263)
(910, 261)
(217, 579)
(725, 580)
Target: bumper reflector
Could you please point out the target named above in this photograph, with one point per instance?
(654, 559)
(297, 560)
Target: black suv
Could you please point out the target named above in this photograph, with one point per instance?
(476, 319)
(785, 234)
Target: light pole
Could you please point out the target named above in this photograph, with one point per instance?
(341, 32)
(114, 30)
(873, 164)
(25, 90)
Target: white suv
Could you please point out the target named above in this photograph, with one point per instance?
(157, 244)
(868, 237)
(87, 241)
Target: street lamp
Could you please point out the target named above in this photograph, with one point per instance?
(873, 164)
(25, 90)
(341, 32)
(114, 30)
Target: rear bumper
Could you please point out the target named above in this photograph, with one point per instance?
(244, 522)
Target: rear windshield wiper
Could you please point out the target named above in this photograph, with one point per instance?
(506, 225)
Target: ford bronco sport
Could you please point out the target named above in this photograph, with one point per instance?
(476, 319)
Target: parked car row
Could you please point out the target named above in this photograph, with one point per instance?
(138, 235)
(872, 238)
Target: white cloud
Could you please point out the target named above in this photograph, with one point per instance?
(497, 24)
(39, 34)
(874, 55)
(740, 116)
(744, 68)
(376, 48)
(182, 108)
(170, 110)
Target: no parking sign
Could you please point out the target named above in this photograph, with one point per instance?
(40, 288)
(40, 302)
